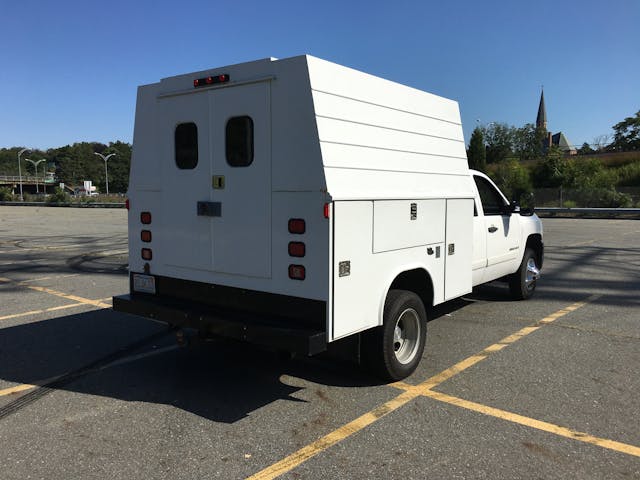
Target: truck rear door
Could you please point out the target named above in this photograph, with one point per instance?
(217, 180)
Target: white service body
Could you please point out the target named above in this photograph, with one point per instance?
(387, 160)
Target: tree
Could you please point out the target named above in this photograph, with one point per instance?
(527, 141)
(627, 133)
(499, 140)
(513, 179)
(601, 141)
(477, 154)
(585, 149)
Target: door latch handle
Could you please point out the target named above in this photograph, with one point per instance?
(493, 229)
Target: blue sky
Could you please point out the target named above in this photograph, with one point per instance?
(69, 69)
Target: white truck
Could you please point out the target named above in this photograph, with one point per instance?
(296, 202)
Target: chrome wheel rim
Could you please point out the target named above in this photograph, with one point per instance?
(406, 336)
(532, 274)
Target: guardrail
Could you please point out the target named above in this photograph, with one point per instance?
(71, 204)
(27, 179)
(590, 212)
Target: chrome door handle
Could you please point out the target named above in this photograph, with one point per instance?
(493, 229)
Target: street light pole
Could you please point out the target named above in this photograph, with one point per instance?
(20, 171)
(106, 174)
(35, 164)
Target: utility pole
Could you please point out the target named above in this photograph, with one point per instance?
(35, 164)
(106, 175)
(20, 171)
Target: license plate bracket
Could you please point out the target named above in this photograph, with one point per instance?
(144, 283)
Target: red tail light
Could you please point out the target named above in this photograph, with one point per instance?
(297, 225)
(326, 210)
(126, 204)
(297, 272)
(147, 254)
(297, 249)
(145, 236)
(145, 218)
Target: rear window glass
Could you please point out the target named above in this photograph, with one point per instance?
(239, 141)
(186, 146)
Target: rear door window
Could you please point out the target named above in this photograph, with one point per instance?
(186, 145)
(239, 141)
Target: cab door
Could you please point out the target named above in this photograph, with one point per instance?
(501, 230)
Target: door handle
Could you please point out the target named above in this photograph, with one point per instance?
(493, 229)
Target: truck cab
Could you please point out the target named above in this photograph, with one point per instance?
(502, 234)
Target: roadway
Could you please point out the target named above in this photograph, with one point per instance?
(546, 388)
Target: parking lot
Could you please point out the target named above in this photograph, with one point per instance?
(547, 388)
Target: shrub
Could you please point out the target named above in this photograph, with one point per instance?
(5, 194)
(59, 196)
(513, 179)
(629, 174)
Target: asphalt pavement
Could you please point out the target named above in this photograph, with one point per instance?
(546, 388)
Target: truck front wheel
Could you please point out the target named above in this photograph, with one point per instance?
(522, 284)
(394, 350)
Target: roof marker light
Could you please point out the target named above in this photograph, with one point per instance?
(211, 80)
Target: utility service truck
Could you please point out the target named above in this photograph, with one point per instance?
(296, 202)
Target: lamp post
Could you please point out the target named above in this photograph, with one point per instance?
(20, 171)
(106, 175)
(35, 164)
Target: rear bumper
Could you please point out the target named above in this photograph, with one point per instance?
(269, 331)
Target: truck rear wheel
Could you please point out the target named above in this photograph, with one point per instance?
(522, 284)
(394, 350)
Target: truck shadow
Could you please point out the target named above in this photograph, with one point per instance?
(113, 355)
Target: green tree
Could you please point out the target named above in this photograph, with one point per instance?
(476, 153)
(513, 179)
(627, 133)
(554, 171)
(499, 140)
(585, 149)
(527, 141)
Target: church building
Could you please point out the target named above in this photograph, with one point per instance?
(558, 139)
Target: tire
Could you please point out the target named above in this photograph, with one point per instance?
(394, 350)
(522, 284)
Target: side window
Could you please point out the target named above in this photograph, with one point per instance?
(239, 141)
(186, 145)
(492, 201)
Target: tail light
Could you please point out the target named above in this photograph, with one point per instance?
(297, 249)
(147, 254)
(297, 226)
(297, 272)
(145, 218)
(126, 204)
(145, 236)
(326, 210)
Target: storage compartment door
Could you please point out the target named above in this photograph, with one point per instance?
(458, 248)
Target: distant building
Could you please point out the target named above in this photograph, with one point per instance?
(559, 139)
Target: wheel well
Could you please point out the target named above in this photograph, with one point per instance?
(417, 281)
(534, 242)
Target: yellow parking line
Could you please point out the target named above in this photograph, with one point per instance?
(51, 277)
(36, 312)
(75, 298)
(28, 386)
(533, 423)
(410, 392)
(51, 309)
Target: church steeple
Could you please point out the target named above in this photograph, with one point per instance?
(541, 120)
